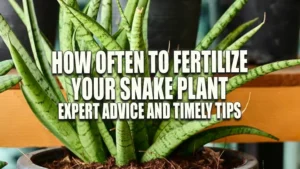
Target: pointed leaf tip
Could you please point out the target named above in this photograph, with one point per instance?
(265, 17)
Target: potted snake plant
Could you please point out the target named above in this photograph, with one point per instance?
(93, 142)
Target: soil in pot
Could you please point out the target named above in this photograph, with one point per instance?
(205, 159)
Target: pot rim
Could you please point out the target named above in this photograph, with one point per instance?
(26, 160)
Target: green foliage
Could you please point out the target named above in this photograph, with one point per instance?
(234, 34)
(43, 106)
(92, 8)
(8, 81)
(130, 140)
(125, 145)
(106, 15)
(199, 140)
(2, 164)
(37, 46)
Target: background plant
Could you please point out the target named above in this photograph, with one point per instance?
(2, 164)
(94, 141)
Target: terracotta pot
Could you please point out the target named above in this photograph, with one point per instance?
(48, 155)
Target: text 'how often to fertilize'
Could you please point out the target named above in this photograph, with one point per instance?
(154, 85)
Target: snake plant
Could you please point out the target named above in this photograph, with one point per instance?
(125, 140)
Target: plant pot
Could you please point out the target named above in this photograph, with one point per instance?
(47, 15)
(47, 155)
(278, 38)
(169, 20)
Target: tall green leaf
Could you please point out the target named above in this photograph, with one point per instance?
(18, 10)
(122, 39)
(227, 41)
(163, 146)
(238, 44)
(91, 144)
(31, 28)
(125, 145)
(125, 29)
(137, 39)
(138, 128)
(234, 34)
(215, 31)
(5, 32)
(8, 81)
(239, 80)
(66, 29)
(93, 8)
(220, 25)
(38, 47)
(170, 124)
(72, 31)
(245, 38)
(115, 36)
(124, 24)
(129, 11)
(48, 48)
(166, 144)
(44, 107)
(107, 138)
(145, 24)
(213, 134)
(139, 135)
(105, 38)
(106, 15)
(85, 39)
(232, 84)
(47, 45)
